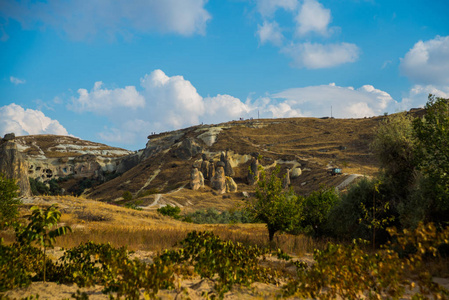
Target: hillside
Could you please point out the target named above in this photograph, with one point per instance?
(163, 168)
(160, 173)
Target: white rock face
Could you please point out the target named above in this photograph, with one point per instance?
(209, 137)
(52, 157)
(295, 172)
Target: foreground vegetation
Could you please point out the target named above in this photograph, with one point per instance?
(390, 228)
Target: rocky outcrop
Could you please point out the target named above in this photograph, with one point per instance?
(211, 169)
(205, 167)
(188, 149)
(231, 186)
(196, 179)
(14, 165)
(253, 173)
(52, 157)
(218, 182)
(295, 173)
(229, 171)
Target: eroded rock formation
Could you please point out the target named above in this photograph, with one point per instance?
(13, 164)
(196, 179)
(218, 182)
(231, 186)
(253, 173)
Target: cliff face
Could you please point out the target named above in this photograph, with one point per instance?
(53, 157)
(14, 165)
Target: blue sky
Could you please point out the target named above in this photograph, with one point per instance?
(115, 71)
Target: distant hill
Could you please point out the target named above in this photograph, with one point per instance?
(161, 171)
(159, 174)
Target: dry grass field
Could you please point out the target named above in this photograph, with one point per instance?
(147, 230)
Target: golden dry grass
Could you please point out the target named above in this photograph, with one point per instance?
(148, 230)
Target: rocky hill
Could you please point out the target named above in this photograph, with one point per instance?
(47, 157)
(51, 156)
(308, 147)
(208, 165)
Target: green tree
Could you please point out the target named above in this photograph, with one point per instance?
(317, 207)
(279, 209)
(394, 146)
(8, 200)
(432, 133)
(39, 229)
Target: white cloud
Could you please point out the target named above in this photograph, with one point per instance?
(13, 118)
(87, 19)
(102, 100)
(317, 56)
(176, 97)
(172, 102)
(313, 17)
(346, 102)
(428, 62)
(16, 80)
(418, 94)
(268, 7)
(310, 17)
(270, 32)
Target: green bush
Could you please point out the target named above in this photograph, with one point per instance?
(171, 211)
(364, 203)
(213, 216)
(317, 207)
(222, 261)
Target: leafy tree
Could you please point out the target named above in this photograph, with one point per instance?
(432, 133)
(279, 209)
(8, 200)
(359, 211)
(316, 210)
(41, 221)
(394, 146)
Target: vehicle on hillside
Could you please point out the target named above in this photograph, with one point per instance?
(335, 171)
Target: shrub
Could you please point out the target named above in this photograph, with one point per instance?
(360, 206)
(213, 216)
(317, 207)
(171, 211)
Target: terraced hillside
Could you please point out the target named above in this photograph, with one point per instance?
(159, 174)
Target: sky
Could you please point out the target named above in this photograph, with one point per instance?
(115, 71)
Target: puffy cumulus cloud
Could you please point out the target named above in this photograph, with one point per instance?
(172, 102)
(86, 19)
(176, 97)
(316, 56)
(418, 94)
(282, 110)
(346, 102)
(102, 100)
(313, 17)
(270, 32)
(14, 118)
(268, 7)
(224, 108)
(308, 17)
(16, 80)
(428, 62)
(163, 103)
